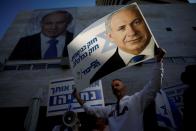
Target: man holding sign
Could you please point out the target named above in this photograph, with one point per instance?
(128, 30)
(127, 113)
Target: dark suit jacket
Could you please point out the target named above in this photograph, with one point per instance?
(29, 47)
(115, 62)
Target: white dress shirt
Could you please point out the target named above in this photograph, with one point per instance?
(60, 45)
(148, 52)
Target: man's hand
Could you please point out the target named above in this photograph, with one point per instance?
(74, 93)
(77, 96)
(159, 54)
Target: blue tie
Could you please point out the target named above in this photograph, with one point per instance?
(137, 58)
(51, 52)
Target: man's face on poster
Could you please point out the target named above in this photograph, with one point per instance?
(129, 31)
(54, 25)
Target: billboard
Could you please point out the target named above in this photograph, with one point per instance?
(45, 35)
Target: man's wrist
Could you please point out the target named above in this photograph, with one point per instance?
(83, 102)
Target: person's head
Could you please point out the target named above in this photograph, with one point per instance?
(55, 24)
(118, 88)
(127, 29)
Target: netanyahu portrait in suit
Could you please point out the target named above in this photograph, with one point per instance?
(50, 43)
(128, 30)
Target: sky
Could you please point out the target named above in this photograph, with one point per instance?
(10, 8)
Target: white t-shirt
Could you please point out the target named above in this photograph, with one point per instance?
(131, 107)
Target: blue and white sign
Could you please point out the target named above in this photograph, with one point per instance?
(60, 97)
(118, 40)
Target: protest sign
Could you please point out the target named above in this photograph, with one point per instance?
(118, 40)
(61, 100)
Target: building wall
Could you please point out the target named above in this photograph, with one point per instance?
(174, 28)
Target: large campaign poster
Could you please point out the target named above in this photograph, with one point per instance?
(45, 35)
(60, 97)
(118, 40)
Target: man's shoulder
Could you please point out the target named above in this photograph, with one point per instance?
(33, 36)
(69, 34)
(114, 63)
(69, 38)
